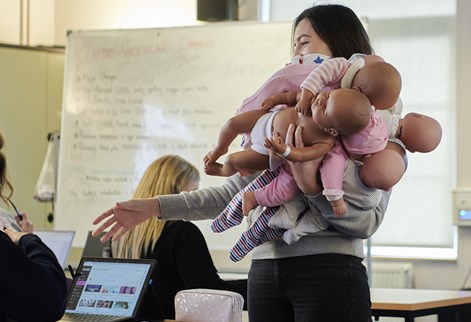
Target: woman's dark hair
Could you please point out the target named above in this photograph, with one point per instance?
(339, 27)
(4, 182)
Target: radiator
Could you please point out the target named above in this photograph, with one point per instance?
(392, 275)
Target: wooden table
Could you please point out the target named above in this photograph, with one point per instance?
(412, 303)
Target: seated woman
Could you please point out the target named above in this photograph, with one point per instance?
(183, 258)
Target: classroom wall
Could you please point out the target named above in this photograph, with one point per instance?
(30, 105)
(426, 272)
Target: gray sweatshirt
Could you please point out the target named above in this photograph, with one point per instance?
(344, 235)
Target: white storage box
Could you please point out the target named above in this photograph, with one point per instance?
(206, 305)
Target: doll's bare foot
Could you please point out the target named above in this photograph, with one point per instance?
(213, 155)
(213, 169)
(248, 202)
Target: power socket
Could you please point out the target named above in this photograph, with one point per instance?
(462, 207)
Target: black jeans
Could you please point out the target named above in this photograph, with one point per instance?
(315, 288)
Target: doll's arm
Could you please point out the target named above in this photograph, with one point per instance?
(288, 98)
(340, 207)
(305, 101)
(238, 124)
(295, 154)
(325, 74)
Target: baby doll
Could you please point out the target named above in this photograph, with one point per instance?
(341, 111)
(416, 133)
(332, 115)
(369, 74)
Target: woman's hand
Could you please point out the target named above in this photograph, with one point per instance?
(125, 215)
(24, 223)
(14, 235)
(305, 173)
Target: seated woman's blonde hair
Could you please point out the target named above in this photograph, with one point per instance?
(169, 174)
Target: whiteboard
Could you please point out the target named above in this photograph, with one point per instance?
(131, 96)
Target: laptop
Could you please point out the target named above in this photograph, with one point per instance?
(59, 241)
(110, 289)
(95, 248)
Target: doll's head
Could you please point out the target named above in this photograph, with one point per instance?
(379, 81)
(341, 111)
(419, 133)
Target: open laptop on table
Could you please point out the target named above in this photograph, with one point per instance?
(59, 241)
(110, 289)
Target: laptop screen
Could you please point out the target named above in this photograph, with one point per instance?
(59, 241)
(109, 286)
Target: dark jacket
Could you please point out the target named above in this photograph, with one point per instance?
(184, 262)
(32, 283)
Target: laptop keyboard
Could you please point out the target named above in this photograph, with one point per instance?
(89, 317)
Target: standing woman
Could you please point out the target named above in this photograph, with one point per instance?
(183, 258)
(320, 277)
(32, 283)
